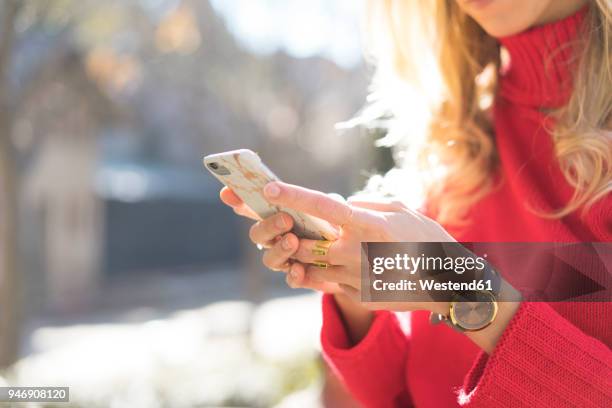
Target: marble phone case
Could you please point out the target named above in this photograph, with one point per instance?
(243, 171)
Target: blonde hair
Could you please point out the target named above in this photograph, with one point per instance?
(436, 77)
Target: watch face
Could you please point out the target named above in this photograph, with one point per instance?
(475, 314)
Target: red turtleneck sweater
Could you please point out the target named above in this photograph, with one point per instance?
(551, 354)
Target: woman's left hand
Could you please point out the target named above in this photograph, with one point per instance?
(358, 221)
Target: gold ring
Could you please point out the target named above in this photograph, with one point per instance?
(324, 243)
(321, 248)
(321, 264)
(319, 251)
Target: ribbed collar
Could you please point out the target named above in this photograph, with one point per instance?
(542, 62)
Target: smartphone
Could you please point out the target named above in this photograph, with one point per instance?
(244, 172)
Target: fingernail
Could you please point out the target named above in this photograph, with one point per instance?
(271, 190)
(292, 275)
(286, 243)
(280, 222)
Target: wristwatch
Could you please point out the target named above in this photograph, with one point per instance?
(469, 312)
(473, 313)
(474, 310)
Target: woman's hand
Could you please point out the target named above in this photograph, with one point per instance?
(358, 221)
(273, 234)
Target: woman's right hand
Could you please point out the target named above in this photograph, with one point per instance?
(273, 234)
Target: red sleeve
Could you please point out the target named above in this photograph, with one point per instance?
(541, 360)
(374, 369)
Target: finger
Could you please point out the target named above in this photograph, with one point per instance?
(264, 231)
(377, 204)
(230, 198)
(317, 204)
(244, 211)
(340, 252)
(277, 257)
(297, 278)
(336, 274)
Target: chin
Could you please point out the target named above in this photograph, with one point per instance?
(499, 31)
(502, 18)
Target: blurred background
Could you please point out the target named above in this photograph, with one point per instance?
(121, 273)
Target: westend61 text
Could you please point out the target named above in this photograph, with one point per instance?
(432, 285)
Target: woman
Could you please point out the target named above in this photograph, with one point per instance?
(507, 105)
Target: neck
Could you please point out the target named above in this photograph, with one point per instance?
(558, 10)
(542, 62)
